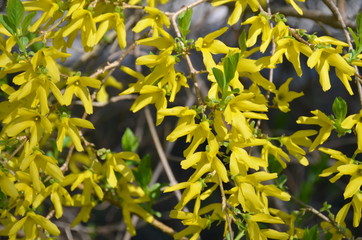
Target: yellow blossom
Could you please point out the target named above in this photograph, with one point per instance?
(322, 120)
(240, 6)
(355, 120)
(24, 119)
(323, 58)
(77, 85)
(283, 96)
(344, 166)
(156, 19)
(292, 49)
(356, 203)
(298, 138)
(151, 94)
(295, 6)
(58, 196)
(69, 127)
(81, 20)
(259, 25)
(209, 45)
(108, 21)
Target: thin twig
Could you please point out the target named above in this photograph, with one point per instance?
(16, 150)
(160, 151)
(312, 14)
(193, 72)
(321, 216)
(331, 5)
(225, 208)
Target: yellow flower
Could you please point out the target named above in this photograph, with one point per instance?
(209, 45)
(29, 225)
(7, 185)
(355, 120)
(24, 119)
(259, 25)
(344, 166)
(322, 120)
(81, 20)
(115, 162)
(283, 96)
(255, 232)
(89, 181)
(111, 20)
(295, 6)
(240, 6)
(239, 109)
(185, 125)
(151, 94)
(356, 203)
(49, 8)
(69, 127)
(77, 85)
(323, 58)
(292, 49)
(298, 138)
(59, 196)
(156, 19)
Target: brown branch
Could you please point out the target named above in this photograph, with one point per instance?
(321, 216)
(193, 72)
(331, 5)
(161, 153)
(225, 209)
(314, 15)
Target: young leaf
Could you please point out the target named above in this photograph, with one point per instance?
(230, 64)
(339, 108)
(184, 22)
(242, 41)
(311, 234)
(15, 11)
(129, 141)
(23, 41)
(220, 79)
(143, 174)
(4, 20)
(27, 21)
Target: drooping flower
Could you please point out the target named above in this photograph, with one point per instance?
(283, 96)
(355, 120)
(240, 6)
(322, 120)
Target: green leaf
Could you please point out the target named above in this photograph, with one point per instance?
(23, 41)
(311, 233)
(339, 108)
(273, 165)
(129, 141)
(230, 64)
(220, 79)
(184, 22)
(15, 11)
(242, 41)
(143, 174)
(359, 24)
(27, 21)
(4, 20)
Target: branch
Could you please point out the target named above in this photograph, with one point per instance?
(314, 15)
(331, 5)
(321, 216)
(193, 72)
(161, 152)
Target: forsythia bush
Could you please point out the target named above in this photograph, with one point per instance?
(46, 158)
